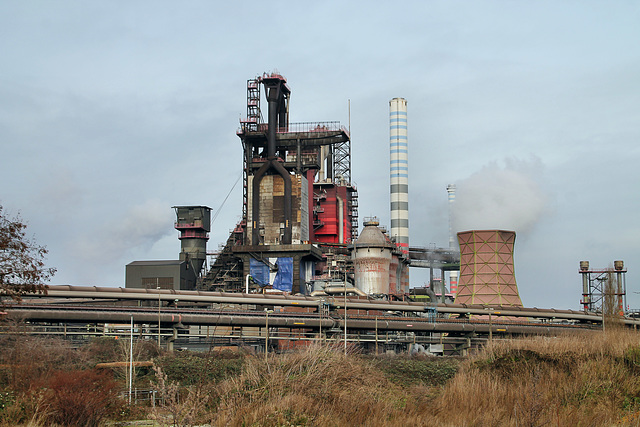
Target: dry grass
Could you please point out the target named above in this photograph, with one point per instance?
(318, 386)
(590, 379)
(580, 380)
(585, 380)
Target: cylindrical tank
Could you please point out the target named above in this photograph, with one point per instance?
(372, 256)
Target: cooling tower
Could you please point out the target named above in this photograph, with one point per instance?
(399, 172)
(487, 275)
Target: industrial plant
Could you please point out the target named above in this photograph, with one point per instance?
(299, 227)
(297, 268)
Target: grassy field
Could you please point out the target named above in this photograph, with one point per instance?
(590, 379)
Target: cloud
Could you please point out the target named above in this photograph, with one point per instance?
(498, 197)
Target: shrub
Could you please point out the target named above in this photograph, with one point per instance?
(188, 368)
(80, 398)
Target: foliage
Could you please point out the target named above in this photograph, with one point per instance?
(22, 267)
(184, 405)
(80, 398)
(188, 368)
(28, 360)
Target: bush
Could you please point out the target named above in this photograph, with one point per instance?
(189, 368)
(80, 398)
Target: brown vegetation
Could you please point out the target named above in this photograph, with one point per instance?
(592, 379)
(589, 379)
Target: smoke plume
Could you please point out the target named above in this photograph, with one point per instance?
(138, 229)
(507, 198)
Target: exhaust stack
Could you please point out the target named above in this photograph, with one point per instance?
(399, 173)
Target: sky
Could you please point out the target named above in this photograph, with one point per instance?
(113, 112)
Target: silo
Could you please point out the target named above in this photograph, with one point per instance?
(399, 172)
(487, 275)
(372, 256)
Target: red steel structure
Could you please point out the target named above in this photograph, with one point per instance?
(487, 275)
(332, 208)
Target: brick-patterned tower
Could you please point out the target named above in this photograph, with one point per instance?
(487, 275)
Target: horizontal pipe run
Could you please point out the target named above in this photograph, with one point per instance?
(94, 292)
(57, 314)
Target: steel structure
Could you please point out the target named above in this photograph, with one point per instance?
(604, 289)
(297, 192)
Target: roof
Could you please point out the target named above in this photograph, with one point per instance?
(157, 262)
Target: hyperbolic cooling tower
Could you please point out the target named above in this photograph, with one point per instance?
(399, 172)
(487, 275)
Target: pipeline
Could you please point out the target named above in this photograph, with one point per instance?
(332, 290)
(94, 292)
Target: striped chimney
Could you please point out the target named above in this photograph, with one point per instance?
(399, 172)
(453, 275)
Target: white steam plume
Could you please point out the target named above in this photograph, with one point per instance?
(506, 198)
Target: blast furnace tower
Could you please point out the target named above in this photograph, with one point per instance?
(298, 201)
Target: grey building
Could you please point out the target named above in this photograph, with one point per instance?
(165, 274)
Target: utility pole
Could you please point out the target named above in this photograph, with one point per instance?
(159, 303)
(345, 314)
(266, 337)
(131, 361)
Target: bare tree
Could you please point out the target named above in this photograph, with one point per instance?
(22, 267)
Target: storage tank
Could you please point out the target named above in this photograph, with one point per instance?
(372, 256)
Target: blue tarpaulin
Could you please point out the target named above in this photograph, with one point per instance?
(284, 276)
(281, 280)
(259, 271)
